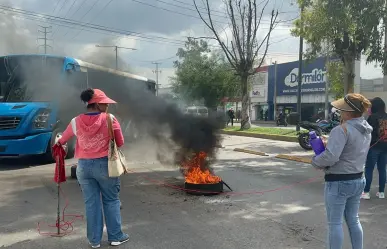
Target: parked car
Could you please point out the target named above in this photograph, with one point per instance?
(197, 111)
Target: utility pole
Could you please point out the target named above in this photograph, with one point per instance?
(115, 49)
(157, 71)
(327, 85)
(300, 71)
(275, 90)
(45, 39)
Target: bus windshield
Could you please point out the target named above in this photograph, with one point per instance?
(29, 78)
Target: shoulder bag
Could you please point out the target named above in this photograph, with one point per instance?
(116, 159)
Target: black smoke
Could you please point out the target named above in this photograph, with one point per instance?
(160, 120)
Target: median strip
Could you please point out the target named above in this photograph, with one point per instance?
(251, 152)
(259, 135)
(294, 158)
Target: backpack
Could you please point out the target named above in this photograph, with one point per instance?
(382, 130)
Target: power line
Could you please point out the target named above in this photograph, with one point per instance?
(72, 23)
(150, 61)
(53, 33)
(79, 7)
(45, 18)
(145, 39)
(115, 49)
(84, 15)
(187, 8)
(150, 40)
(92, 18)
(56, 6)
(183, 14)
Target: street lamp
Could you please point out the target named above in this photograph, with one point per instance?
(115, 49)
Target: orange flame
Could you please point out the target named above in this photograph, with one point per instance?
(194, 172)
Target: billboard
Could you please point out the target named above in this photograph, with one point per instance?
(313, 77)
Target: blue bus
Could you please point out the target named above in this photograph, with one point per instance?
(39, 95)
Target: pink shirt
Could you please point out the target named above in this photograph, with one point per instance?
(92, 135)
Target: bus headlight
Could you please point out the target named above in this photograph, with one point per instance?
(41, 119)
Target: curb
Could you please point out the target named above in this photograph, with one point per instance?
(294, 158)
(263, 136)
(251, 152)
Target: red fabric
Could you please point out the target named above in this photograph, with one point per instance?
(59, 154)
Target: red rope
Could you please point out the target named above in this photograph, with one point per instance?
(63, 226)
(66, 226)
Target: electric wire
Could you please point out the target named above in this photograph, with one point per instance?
(56, 30)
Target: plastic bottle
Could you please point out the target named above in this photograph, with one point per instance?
(316, 143)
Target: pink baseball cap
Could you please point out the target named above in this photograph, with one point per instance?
(99, 97)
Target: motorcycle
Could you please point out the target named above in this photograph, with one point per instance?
(321, 127)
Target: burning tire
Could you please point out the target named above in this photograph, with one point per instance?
(199, 178)
(206, 189)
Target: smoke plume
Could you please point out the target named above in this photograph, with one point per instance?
(162, 122)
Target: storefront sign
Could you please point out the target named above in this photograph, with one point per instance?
(258, 82)
(313, 77)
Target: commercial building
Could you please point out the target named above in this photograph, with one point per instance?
(283, 87)
(259, 93)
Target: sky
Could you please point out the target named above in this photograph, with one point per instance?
(154, 28)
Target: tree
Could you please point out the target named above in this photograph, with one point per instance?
(346, 24)
(248, 39)
(378, 44)
(335, 78)
(202, 74)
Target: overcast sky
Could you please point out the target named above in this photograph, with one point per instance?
(158, 28)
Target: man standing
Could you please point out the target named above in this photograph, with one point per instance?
(231, 116)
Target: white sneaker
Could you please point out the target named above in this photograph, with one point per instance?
(94, 246)
(366, 196)
(122, 241)
(380, 195)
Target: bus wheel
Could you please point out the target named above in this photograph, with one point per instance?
(70, 148)
(48, 157)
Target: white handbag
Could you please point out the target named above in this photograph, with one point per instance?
(116, 159)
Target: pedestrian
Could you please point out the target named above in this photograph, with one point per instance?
(100, 192)
(266, 114)
(231, 116)
(238, 115)
(377, 155)
(342, 161)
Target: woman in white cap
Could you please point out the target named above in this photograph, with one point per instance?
(343, 161)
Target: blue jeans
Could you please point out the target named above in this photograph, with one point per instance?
(342, 199)
(99, 190)
(376, 157)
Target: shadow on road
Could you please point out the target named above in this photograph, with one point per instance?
(7, 164)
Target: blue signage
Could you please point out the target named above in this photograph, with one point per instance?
(313, 77)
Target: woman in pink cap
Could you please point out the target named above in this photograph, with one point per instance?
(100, 192)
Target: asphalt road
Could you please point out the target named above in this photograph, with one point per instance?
(164, 218)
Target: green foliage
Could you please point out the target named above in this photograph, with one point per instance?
(335, 74)
(203, 75)
(350, 26)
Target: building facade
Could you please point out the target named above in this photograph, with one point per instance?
(283, 88)
(259, 93)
